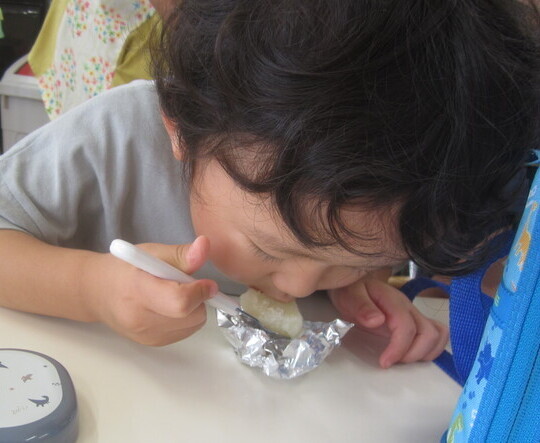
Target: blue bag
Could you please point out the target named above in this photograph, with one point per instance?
(500, 401)
(499, 367)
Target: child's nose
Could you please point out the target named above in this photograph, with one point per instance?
(295, 288)
(298, 281)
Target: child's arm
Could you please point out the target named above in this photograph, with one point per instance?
(380, 308)
(89, 286)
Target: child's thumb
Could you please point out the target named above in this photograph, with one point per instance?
(188, 258)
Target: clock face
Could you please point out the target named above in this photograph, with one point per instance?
(30, 388)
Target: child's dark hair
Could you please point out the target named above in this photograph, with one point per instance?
(430, 106)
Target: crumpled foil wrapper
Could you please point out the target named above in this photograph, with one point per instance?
(281, 357)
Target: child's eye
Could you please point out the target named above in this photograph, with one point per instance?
(264, 255)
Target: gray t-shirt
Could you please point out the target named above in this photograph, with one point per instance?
(102, 171)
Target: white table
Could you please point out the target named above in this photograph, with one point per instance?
(197, 391)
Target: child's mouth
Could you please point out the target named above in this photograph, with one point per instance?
(279, 296)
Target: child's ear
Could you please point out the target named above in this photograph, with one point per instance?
(176, 142)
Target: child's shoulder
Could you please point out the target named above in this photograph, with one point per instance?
(110, 120)
(130, 107)
(124, 99)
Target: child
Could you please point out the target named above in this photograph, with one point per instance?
(297, 146)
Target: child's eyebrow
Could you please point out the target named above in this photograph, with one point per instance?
(271, 244)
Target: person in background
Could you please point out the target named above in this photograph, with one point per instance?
(88, 46)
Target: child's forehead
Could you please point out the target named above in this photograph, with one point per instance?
(373, 238)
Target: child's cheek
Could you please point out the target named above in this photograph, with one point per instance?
(235, 265)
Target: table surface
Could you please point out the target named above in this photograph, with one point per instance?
(197, 391)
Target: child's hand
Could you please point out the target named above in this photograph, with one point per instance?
(384, 310)
(150, 310)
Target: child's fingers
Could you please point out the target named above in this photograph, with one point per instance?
(414, 339)
(441, 345)
(402, 334)
(179, 300)
(156, 330)
(400, 321)
(174, 336)
(368, 315)
(357, 306)
(429, 341)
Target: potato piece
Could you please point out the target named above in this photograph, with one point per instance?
(283, 318)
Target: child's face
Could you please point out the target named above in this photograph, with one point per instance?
(252, 246)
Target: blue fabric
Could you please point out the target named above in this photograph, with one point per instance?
(517, 386)
(501, 396)
(469, 308)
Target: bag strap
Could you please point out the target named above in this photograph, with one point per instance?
(469, 309)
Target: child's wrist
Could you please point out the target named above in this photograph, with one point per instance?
(93, 284)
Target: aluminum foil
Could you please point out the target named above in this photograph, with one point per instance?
(281, 357)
